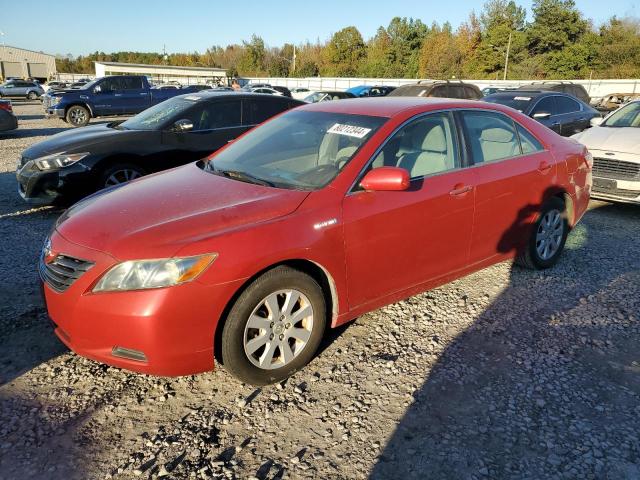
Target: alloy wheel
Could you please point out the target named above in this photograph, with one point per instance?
(78, 116)
(278, 329)
(549, 234)
(122, 176)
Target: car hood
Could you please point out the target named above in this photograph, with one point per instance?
(157, 215)
(623, 140)
(76, 139)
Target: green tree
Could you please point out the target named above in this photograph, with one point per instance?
(406, 37)
(343, 53)
(556, 24)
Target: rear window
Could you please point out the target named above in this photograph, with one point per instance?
(411, 91)
(517, 102)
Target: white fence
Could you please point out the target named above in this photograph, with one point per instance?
(596, 88)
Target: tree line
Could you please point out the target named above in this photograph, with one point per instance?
(558, 42)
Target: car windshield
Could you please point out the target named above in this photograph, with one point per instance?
(627, 116)
(299, 150)
(160, 115)
(518, 102)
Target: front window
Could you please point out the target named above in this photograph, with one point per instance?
(628, 116)
(301, 150)
(159, 116)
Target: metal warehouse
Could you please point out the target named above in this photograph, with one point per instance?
(162, 72)
(21, 63)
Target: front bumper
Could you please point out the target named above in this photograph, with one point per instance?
(172, 327)
(44, 187)
(54, 113)
(625, 191)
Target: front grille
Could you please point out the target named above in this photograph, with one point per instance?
(46, 101)
(618, 169)
(62, 271)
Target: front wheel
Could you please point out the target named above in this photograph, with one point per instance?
(275, 327)
(548, 237)
(78, 116)
(120, 173)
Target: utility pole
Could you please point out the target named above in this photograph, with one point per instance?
(506, 59)
(293, 69)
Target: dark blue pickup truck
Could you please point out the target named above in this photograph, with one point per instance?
(103, 97)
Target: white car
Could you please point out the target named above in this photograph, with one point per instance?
(614, 143)
(300, 93)
(268, 90)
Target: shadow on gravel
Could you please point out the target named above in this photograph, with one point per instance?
(544, 384)
(30, 117)
(36, 132)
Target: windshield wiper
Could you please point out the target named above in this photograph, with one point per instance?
(243, 177)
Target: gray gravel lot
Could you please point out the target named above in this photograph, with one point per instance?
(506, 373)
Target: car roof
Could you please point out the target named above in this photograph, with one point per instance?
(391, 106)
(210, 94)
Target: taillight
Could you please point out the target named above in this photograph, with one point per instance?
(6, 106)
(588, 159)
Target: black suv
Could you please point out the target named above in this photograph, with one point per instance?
(185, 128)
(438, 88)
(569, 88)
(562, 113)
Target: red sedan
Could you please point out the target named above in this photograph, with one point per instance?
(322, 214)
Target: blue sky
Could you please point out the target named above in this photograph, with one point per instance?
(193, 25)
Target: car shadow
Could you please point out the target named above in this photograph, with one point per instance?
(30, 117)
(26, 339)
(530, 389)
(36, 132)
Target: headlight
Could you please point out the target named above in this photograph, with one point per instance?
(143, 274)
(55, 101)
(59, 160)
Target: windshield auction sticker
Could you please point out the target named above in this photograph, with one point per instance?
(349, 130)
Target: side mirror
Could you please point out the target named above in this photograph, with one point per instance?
(97, 89)
(385, 179)
(541, 115)
(596, 121)
(182, 126)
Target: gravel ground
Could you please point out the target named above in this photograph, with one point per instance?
(506, 373)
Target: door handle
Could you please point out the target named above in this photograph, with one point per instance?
(460, 189)
(117, 94)
(555, 124)
(544, 166)
(143, 93)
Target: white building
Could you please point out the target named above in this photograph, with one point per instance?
(21, 63)
(163, 73)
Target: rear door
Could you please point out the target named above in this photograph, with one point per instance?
(572, 118)
(510, 179)
(132, 96)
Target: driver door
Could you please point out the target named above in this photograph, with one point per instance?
(398, 240)
(215, 123)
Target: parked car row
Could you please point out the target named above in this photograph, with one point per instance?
(75, 163)
(247, 255)
(16, 88)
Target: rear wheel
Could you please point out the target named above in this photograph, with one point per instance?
(32, 95)
(120, 173)
(548, 237)
(78, 116)
(274, 328)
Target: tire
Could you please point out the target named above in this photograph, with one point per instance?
(119, 173)
(250, 320)
(548, 237)
(32, 96)
(78, 116)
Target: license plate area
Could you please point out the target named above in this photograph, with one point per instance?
(604, 184)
